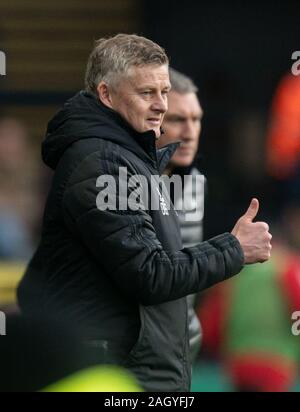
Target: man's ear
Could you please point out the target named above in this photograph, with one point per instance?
(104, 94)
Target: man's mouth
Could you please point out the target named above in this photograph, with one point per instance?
(154, 122)
(184, 151)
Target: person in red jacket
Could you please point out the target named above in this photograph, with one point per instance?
(283, 141)
(248, 322)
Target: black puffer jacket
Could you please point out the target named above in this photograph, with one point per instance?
(123, 274)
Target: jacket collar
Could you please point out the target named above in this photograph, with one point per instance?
(164, 155)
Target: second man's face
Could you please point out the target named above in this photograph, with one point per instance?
(142, 97)
(182, 122)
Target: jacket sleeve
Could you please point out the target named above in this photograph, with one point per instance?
(126, 248)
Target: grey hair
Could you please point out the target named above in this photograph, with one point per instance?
(181, 83)
(113, 57)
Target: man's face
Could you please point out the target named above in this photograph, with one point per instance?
(182, 122)
(141, 97)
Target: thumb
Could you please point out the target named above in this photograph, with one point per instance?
(252, 210)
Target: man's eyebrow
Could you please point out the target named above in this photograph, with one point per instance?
(146, 86)
(182, 116)
(173, 116)
(151, 87)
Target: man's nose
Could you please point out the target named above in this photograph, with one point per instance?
(189, 131)
(185, 137)
(160, 104)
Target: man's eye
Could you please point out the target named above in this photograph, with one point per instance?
(146, 92)
(177, 120)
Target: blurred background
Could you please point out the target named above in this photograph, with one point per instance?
(240, 56)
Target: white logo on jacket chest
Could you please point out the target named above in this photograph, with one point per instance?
(162, 203)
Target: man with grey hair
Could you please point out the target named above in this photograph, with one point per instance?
(182, 122)
(122, 273)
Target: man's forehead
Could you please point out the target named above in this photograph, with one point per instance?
(149, 73)
(184, 103)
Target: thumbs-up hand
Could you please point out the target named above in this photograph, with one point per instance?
(254, 237)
